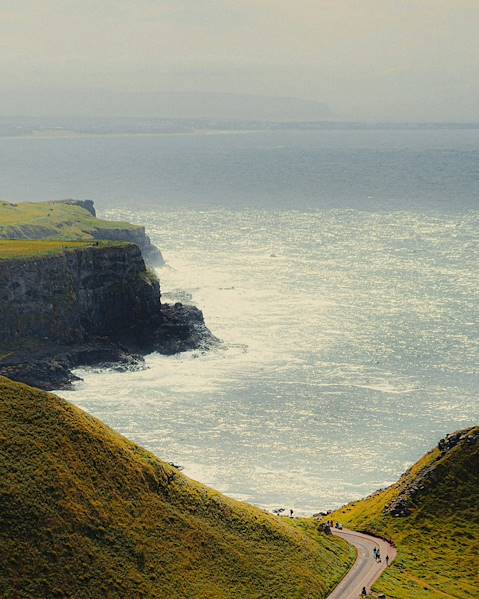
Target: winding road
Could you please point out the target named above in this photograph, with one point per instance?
(366, 570)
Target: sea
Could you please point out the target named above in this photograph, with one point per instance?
(339, 266)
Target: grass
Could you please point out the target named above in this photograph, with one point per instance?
(12, 249)
(53, 220)
(438, 543)
(87, 513)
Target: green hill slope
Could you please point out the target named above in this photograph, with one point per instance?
(432, 514)
(86, 513)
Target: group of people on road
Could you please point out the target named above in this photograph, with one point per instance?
(377, 556)
(333, 524)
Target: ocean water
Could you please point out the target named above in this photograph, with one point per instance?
(366, 169)
(350, 345)
(348, 309)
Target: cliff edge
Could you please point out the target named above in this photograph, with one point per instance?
(71, 220)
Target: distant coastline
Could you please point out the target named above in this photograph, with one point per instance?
(70, 128)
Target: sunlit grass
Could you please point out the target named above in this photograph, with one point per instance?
(53, 220)
(87, 513)
(27, 249)
(11, 249)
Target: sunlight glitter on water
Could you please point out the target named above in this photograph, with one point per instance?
(350, 346)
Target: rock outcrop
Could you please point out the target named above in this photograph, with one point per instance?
(413, 488)
(138, 236)
(87, 205)
(84, 306)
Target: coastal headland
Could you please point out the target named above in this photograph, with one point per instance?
(75, 301)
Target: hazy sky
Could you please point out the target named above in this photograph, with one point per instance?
(367, 59)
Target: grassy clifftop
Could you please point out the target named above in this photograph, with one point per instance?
(432, 514)
(53, 220)
(70, 220)
(12, 249)
(86, 513)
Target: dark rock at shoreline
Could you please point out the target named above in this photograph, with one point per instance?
(52, 370)
(46, 374)
(178, 328)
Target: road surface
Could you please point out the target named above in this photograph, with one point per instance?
(366, 570)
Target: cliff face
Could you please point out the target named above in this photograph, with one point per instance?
(77, 295)
(138, 236)
(83, 306)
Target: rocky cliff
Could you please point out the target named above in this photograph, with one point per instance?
(136, 235)
(97, 303)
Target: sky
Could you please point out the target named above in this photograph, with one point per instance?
(405, 60)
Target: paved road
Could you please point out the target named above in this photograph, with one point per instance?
(366, 569)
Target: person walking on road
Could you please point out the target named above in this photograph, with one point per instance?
(387, 560)
(364, 593)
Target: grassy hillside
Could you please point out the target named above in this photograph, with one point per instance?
(86, 513)
(12, 249)
(432, 514)
(53, 220)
